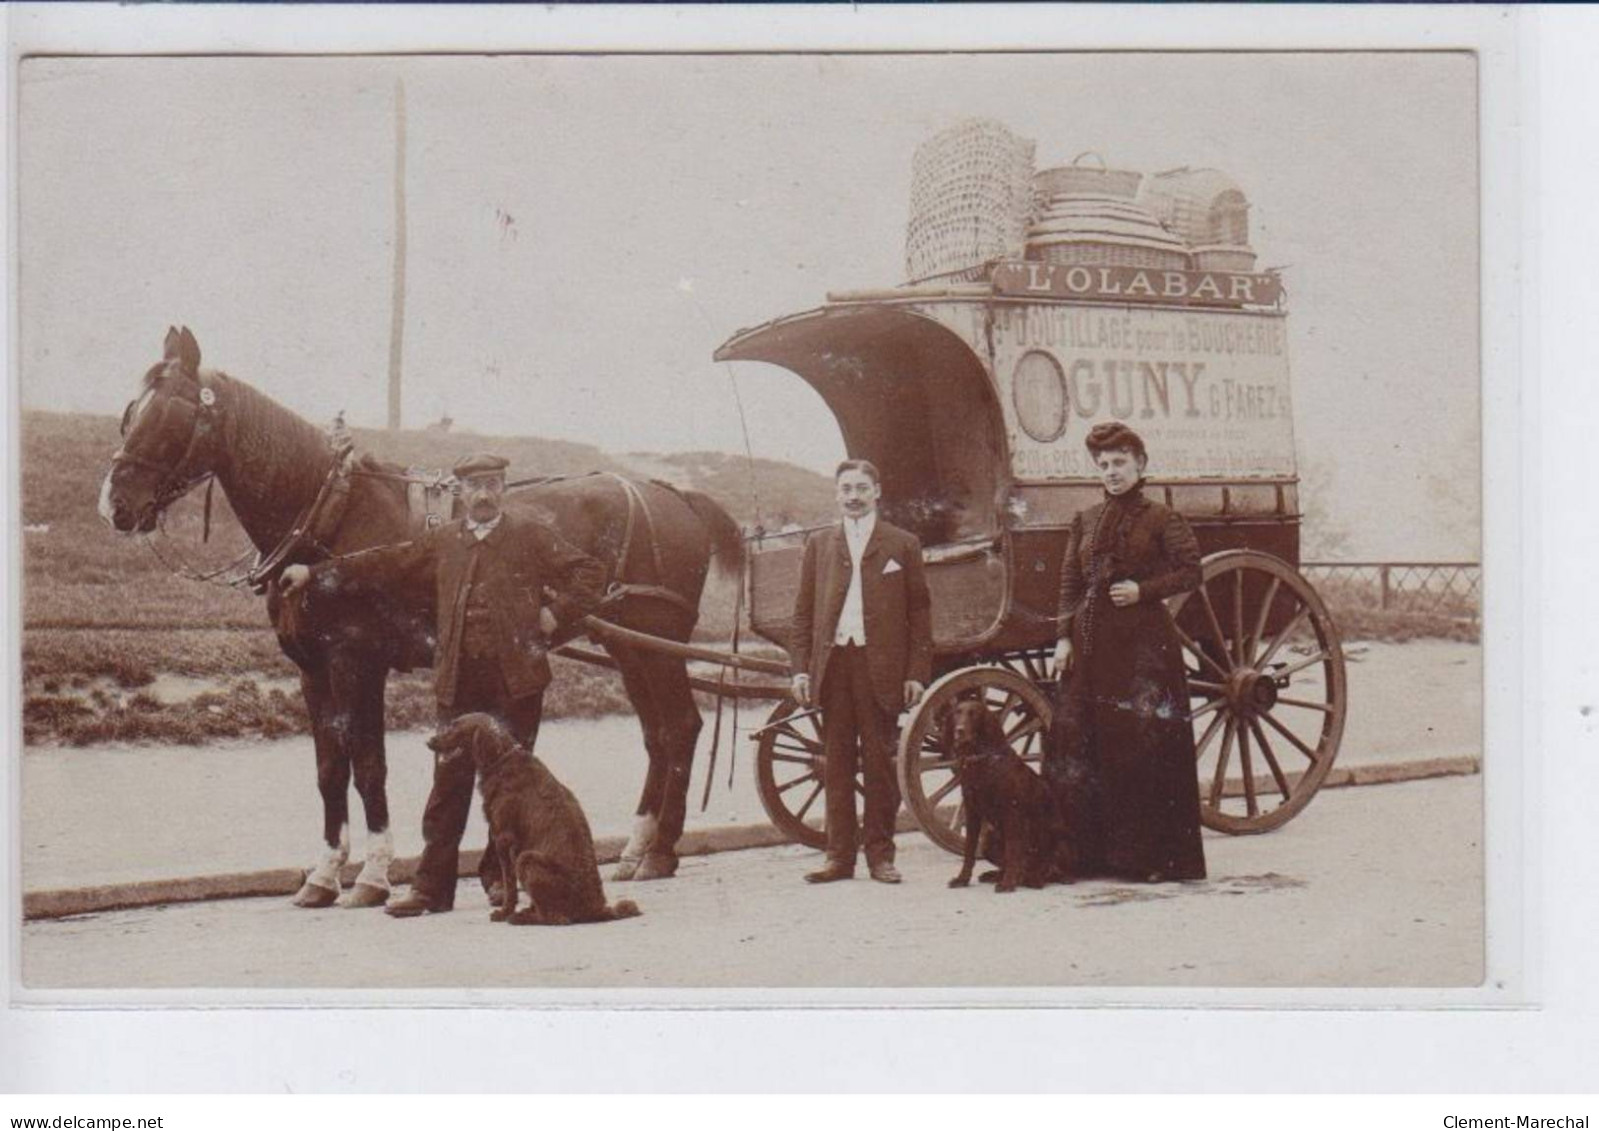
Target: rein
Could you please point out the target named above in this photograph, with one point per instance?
(327, 509)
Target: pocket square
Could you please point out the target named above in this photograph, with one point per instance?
(892, 566)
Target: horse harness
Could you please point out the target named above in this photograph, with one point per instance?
(429, 498)
(617, 590)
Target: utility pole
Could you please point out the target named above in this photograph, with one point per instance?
(397, 316)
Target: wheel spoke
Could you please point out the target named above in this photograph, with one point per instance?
(809, 801)
(1248, 769)
(1215, 622)
(788, 785)
(1271, 759)
(1220, 779)
(804, 759)
(1324, 708)
(1028, 727)
(1278, 640)
(1260, 621)
(1238, 618)
(1207, 708)
(927, 767)
(1300, 665)
(1210, 733)
(1290, 736)
(1203, 685)
(1193, 647)
(942, 792)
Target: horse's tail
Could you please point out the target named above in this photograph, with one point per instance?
(727, 540)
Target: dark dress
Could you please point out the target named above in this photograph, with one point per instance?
(1121, 753)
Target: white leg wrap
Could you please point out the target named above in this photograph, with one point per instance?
(326, 872)
(642, 837)
(638, 844)
(379, 855)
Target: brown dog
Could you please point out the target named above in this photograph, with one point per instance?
(1002, 793)
(536, 826)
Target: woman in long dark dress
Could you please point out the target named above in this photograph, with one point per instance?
(1121, 752)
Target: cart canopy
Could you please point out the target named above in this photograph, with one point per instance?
(910, 395)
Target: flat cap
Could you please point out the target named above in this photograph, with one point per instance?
(480, 463)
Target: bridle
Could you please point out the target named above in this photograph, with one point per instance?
(197, 464)
(204, 425)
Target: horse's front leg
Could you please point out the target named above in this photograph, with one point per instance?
(322, 883)
(362, 686)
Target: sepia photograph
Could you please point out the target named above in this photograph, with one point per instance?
(950, 527)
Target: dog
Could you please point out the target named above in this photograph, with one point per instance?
(1003, 794)
(535, 825)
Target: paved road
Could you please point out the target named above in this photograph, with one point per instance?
(111, 814)
(1377, 886)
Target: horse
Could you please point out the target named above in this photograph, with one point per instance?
(300, 496)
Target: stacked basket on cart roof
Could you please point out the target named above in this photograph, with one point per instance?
(942, 382)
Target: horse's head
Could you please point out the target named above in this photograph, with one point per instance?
(169, 438)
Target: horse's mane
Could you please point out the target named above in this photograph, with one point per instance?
(279, 459)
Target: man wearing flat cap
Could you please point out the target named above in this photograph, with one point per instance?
(489, 571)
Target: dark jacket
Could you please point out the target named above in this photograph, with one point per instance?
(513, 565)
(1153, 545)
(896, 605)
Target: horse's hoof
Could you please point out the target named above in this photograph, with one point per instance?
(654, 867)
(366, 895)
(625, 870)
(315, 896)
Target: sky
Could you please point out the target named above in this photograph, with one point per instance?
(584, 231)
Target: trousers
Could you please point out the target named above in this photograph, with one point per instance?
(857, 736)
(480, 687)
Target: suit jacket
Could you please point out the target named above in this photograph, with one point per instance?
(896, 605)
(1155, 547)
(512, 565)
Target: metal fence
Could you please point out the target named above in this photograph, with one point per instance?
(1451, 589)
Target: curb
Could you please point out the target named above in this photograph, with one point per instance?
(59, 903)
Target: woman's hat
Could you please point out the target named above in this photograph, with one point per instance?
(1113, 435)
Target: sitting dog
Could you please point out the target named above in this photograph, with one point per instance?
(535, 825)
(1000, 792)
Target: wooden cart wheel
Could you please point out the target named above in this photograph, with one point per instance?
(927, 771)
(1266, 680)
(789, 766)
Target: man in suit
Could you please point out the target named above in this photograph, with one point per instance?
(863, 650)
(489, 572)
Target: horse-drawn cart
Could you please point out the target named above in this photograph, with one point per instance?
(972, 392)
(1039, 305)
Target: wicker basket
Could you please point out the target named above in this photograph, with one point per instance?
(1203, 207)
(1079, 179)
(1224, 258)
(971, 196)
(1089, 253)
(1102, 231)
